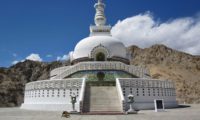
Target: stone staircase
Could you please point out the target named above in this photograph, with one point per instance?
(101, 99)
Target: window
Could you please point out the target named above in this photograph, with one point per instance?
(149, 92)
(158, 92)
(58, 95)
(136, 83)
(124, 91)
(70, 91)
(167, 92)
(131, 90)
(137, 92)
(38, 93)
(48, 92)
(143, 92)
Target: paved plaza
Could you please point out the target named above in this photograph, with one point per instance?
(186, 113)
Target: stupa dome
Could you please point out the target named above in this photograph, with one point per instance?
(86, 46)
(100, 45)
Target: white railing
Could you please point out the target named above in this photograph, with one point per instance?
(120, 94)
(54, 84)
(82, 94)
(134, 70)
(145, 83)
(59, 70)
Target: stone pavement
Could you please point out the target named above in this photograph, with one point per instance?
(188, 113)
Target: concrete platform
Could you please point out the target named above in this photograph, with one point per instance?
(187, 113)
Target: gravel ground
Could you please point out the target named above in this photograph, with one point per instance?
(186, 113)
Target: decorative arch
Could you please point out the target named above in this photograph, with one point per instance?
(100, 51)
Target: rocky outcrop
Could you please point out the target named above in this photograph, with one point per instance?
(13, 80)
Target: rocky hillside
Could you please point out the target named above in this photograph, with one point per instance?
(13, 79)
(166, 63)
(163, 62)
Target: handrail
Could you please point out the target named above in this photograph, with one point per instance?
(134, 70)
(82, 90)
(119, 90)
(82, 94)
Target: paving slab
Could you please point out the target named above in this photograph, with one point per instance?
(185, 113)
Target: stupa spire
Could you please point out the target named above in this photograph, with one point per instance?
(100, 27)
(100, 18)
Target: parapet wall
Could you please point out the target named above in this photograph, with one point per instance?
(145, 91)
(67, 71)
(52, 95)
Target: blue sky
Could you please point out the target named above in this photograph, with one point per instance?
(51, 28)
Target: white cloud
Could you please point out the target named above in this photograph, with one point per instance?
(64, 57)
(143, 30)
(34, 57)
(15, 62)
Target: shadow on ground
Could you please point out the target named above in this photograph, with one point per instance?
(183, 106)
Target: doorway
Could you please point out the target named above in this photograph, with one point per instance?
(100, 56)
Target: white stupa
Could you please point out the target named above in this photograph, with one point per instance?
(100, 78)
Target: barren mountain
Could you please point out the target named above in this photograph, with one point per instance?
(163, 62)
(166, 63)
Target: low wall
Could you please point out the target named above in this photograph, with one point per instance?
(145, 91)
(52, 95)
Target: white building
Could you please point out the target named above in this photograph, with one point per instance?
(100, 76)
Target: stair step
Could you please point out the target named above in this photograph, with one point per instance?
(98, 110)
(101, 99)
(103, 113)
(104, 108)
